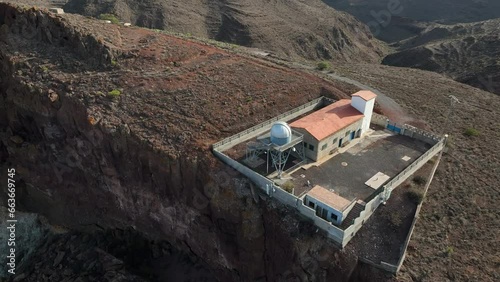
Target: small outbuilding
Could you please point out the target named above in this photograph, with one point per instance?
(58, 11)
(328, 205)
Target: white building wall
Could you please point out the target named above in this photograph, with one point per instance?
(332, 141)
(365, 107)
(329, 210)
(309, 140)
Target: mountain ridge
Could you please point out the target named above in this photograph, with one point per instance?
(279, 26)
(468, 53)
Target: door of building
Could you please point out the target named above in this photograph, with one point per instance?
(353, 134)
(319, 211)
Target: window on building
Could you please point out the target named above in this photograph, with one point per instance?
(311, 147)
(334, 217)
(311, 204)
(347, 133)
(323, 147)
(305, 144)
(335, 141)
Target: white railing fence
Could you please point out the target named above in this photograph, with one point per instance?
(266, 125)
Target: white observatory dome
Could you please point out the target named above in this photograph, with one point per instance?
(281, 133)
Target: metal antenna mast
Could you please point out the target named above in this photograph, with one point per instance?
(453, 100)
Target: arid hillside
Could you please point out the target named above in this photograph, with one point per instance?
(468, 53)
(393, 16)
(296, 29)
(110, 127)
(456, 237)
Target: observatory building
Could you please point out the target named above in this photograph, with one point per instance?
(314, 136)
(281, 133)
(336, 125)
(278, 144)
(295, 158)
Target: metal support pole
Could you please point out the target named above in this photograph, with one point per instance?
(267, 162)
(453, 100)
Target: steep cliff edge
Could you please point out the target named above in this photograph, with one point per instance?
(111, 126)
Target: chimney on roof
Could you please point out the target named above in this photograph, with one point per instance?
(364, 101)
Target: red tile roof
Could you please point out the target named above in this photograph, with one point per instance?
(365, 95)
(329, 198)
(328, 120)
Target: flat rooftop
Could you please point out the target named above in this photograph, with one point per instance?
(329, 198)
(346, 173)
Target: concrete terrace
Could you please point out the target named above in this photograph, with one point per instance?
(346, 172)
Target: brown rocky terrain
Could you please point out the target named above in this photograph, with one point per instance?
(457, 38)
(468, 53)
(295, 29)
(456, 237)
(111, 127)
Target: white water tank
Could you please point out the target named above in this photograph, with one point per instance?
(281, 133)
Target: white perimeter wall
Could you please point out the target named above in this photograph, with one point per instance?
(341, 237)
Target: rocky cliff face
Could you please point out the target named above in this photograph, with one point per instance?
(295, 29)
(110, 127)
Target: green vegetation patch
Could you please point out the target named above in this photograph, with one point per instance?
(114, 93)
(472, 132)
(288, 186)
(449, 251)
(323, 66)
(109, 17)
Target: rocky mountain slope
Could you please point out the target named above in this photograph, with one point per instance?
(457, 38)
(469, 53)
(110, 127)
(456, 234)
(444, 11)
(395, 19)
(295, 29)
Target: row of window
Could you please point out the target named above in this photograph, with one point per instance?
(308, 146)
(334, 142)
(313, 206)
